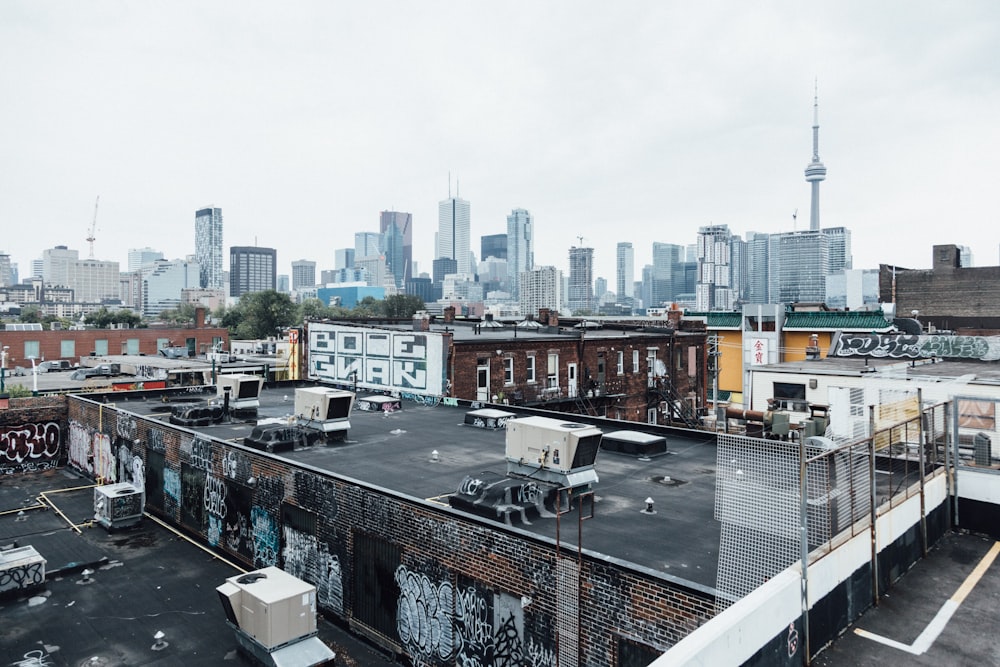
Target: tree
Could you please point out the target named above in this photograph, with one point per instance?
(402, 306)
(261, 314)
(31, 314)
(100, 318)
(183, 314)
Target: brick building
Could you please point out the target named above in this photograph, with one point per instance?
(947, 296)
(72, 344)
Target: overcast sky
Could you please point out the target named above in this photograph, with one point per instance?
(611, 121)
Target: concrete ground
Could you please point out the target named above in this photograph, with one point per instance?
(912, 626)
(106, 595)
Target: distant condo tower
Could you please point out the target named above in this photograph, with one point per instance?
(208, 247)
(815, 171)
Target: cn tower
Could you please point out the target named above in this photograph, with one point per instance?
(815, 171)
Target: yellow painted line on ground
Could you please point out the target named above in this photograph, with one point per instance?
(937, 625)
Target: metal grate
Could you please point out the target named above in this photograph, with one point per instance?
(758, 502)
(568, 616)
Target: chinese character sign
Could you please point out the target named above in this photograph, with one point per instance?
(758, 351)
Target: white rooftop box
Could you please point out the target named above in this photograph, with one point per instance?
(324, 408)
(244, 390)
(270, 605)
(118, 505)
(553, 450)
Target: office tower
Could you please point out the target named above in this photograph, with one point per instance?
(396, 228)
(453, 237)
(6, 279)
(140, 257)
(55, 263)
(540, 288)
(493, 245)
(367, 244)
(714, 289)
(520, 247)
(208, 246)
(252, 269)
(164, 281)
(600, 290)
(815, 171)
(666, 261)
(840, 248)
(303, 274)
(758, 268)
(441, 267)
(93, 280)
(625, 271)
(800, 262)
(37, 266)
(343, 258)
(581, 280)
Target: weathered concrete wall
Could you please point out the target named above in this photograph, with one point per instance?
(442, 587)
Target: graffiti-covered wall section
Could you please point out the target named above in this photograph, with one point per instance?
(378, 359)
(32, 434)
(418, 579)
(906, 346)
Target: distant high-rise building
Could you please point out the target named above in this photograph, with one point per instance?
(714, 290)
(540, 288)
(520, 247)
(815, 171)
(443, 266)
(163, 283)
(581, 279)
(758, 257)
(493, 245)
(6, 279)
(840, 248)
(252, 269)
(625, 271)
(55, 263)
(208, 247)
(396, 228)
(303, 274)
(37, 267)
(367, 244)
(666, 264)
(799, 265)
(343, 258)
(140, 257)
(453, 236)
(600, 290)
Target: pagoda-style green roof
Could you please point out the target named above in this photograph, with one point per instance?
(717, 319)
(852, 320)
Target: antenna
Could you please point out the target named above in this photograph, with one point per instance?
(581, 240)
(92, 233)
(795, 217)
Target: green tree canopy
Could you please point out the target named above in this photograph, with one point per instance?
(260, 314)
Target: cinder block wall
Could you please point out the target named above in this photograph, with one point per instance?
(419, 579)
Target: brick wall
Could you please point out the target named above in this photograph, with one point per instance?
(50, 342)
(32, 434)
(442, 587)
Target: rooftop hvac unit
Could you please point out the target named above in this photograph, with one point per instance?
(274, 617)
(118, 505)
(21, 568)
(324, 408)
(553, 450)
(244, 390)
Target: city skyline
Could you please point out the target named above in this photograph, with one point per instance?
(709, 123)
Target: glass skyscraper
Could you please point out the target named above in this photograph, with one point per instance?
(453, 240)
(625, 271)
(520, 248)
(208, 247)
(396, 229)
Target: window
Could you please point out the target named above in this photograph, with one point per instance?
(132, 346)
(651, 362)
(67, 349)
(162, 343)
(621, 362)
(635, 361)
(31, 349)
(508, 370)
(553, 369)
(530, 369)
(101, 347)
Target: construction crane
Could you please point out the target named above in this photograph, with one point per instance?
(92, 234)
(581, 239)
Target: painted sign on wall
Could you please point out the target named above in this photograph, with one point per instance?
(379, 360)
(907, 346)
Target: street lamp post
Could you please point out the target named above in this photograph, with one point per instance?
(34, 377)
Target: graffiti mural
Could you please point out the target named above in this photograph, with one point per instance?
(104, 459)
(79, 447)
(29, 447)
(424, 616)
(172, 484)
(266, 539)
(905, 346)
(130, 466)
(322, 494)
(306, 557)
(199, 452)
(489, 628)
(236, 465)
(192, 499)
